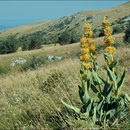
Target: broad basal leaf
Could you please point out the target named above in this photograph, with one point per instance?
(121, 80)
(77, 110)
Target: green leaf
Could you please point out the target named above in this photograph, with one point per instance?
(99, 105)
(107, 54)
(96, 66)
(106, 86)
(89, 106)
(94, 88)
(94, 115)
(77, 110)
(83, 84)
(116, 63)
(104, 120)
(111, 113)
(96, 79)
(86, 97)
(121, 80)
(96, 91)
(111, 75)
(127, 97)
(109, 93)
(88, 75)
(81, 71)
(101, 114)
(84, 115)
(88, 84)
(81, 93)
(106, 60)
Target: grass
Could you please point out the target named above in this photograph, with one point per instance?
(25, 106)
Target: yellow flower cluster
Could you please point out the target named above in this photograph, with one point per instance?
(87, 64)
(87, 27)
(83, 40)
(88, 34)
(84, 50)
(105, 23)
(108, 40)
(108, 31)
(92, 48)
(84, 57)
(87, 46)
(110, 49)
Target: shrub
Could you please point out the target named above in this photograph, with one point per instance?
(33, 63)
(4, 69)
(117, 29)
(35, 43)
(9, 45)
(127, 33)
(56, 78)
(65, 38)
(98, 33)
(30, 42)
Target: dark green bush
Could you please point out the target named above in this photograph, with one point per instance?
(9, 45)
(35, 43)
(33, 63)
(30, 42)
(98, 33)
(4, 69)
(127, 33)
(117, 29)
(65, 38)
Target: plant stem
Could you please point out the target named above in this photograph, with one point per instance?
(115, 84)
(85, 85)
(100, 89)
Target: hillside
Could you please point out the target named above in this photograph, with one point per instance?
(34, 82)
(50, 31)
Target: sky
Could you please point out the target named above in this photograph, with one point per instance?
(16, 13)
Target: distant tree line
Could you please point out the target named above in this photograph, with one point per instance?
(36, 40)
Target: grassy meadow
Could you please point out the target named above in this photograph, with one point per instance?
(31, 99)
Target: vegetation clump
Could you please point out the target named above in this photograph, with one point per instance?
(33, 63)
(55, 79)
(9, 45)
(65, 38)
(4, 69)
(127, 33)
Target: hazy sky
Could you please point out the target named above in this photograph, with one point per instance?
(15, 13)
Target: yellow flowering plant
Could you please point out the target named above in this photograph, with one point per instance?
(106, 104)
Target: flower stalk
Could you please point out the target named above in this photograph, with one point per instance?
(87, 53)
(110, 49)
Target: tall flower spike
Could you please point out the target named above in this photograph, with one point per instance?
(108, 40)
(87, 49)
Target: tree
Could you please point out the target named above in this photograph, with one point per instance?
(65, 38)
(127, 33)
(9, 45)
(35, 43)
